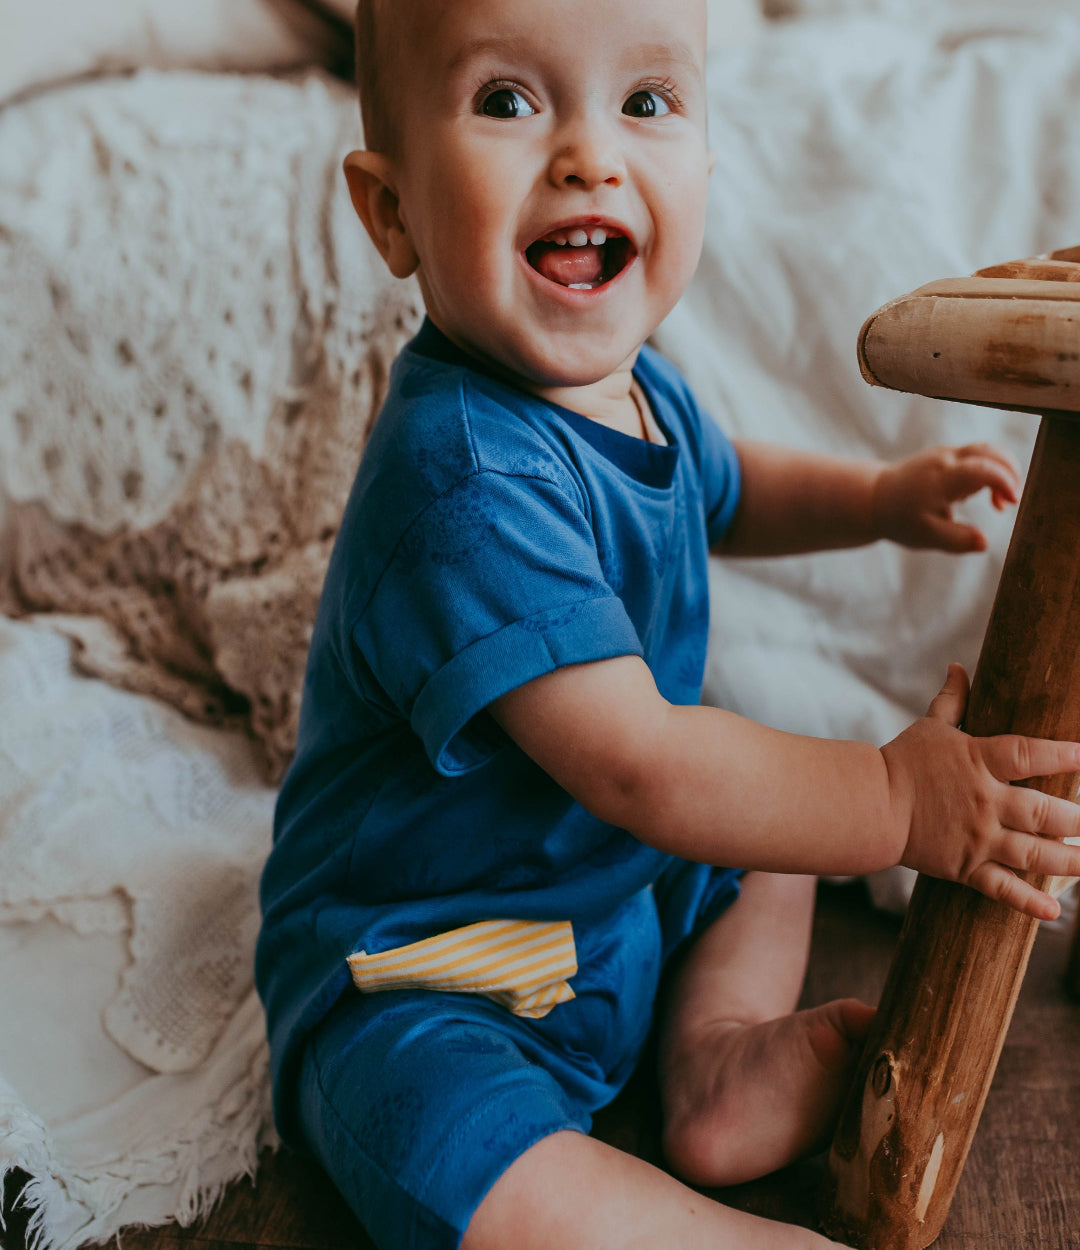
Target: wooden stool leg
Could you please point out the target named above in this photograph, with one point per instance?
(1072, 972)
(920, 1086)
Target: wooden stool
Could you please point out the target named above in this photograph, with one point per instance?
(1008, 337)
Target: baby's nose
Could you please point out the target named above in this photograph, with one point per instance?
(587, 158)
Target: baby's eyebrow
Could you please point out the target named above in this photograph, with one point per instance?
(482, 46)
(676, 52)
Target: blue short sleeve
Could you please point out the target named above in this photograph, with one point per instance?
(721, 480)
(496, 582)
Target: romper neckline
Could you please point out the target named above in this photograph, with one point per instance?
(651, 464)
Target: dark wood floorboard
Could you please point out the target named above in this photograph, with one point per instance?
(1020, 1190)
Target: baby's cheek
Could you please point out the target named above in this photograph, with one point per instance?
(672, 269)
(679, 212)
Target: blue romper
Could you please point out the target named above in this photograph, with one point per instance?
(489, 538)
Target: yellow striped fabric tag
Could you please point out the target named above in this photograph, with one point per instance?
(522, 964)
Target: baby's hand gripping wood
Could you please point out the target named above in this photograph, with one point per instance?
(1006, 337)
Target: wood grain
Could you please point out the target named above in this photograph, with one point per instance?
(1016, 352)
(1039, 269)
(920, 1086)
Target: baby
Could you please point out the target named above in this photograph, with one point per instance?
(510, 821)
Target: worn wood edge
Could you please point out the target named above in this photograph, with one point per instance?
(994, 288)
(863, 1188)
(1038, 269)
(1029, 278)
(1072, 968)
(1017, 354)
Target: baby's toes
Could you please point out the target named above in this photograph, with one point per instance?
(836, 1031)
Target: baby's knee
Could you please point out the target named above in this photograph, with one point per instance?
(518, 1208)
(415, 1111)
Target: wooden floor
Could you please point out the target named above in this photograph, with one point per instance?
(1020, 1190)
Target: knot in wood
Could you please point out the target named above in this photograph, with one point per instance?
(882, 1077)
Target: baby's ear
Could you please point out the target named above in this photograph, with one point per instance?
(375, 198)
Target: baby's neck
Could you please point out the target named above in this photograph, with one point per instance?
(609, 401)
(616, 400)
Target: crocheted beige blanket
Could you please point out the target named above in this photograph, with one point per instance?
(196, 371)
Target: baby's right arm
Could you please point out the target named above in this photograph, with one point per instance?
(711, 786)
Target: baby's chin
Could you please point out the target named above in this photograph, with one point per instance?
(558, 361)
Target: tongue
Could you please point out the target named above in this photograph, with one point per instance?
(567, 265)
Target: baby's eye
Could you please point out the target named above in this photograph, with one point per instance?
(646, 104)
(505, 102)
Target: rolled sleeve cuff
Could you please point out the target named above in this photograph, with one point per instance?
(718, 521)
(593, 629)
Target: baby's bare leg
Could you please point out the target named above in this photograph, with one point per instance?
(730, 1052)
(747, 1086)
(571, 1192)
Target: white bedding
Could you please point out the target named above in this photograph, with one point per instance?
(53, 40)
(871, 160)
(133, 1065)
(856, 159)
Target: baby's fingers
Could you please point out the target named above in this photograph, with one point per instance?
(971, 473)
(1034, 812)
(1011, 757)
(951, 700)
(945, 534)
(1005, 464)
(1027, 853)
(989, 452)
(1006, 887)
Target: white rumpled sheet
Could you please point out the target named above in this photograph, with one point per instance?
(133, 1061)
(856, 160)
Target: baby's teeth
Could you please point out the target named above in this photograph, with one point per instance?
(581, 286)
(579, 237)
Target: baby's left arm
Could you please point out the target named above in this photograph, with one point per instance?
(794, 501)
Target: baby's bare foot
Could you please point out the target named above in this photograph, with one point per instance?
(744, 1100)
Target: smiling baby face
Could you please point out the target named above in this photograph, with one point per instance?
(544, 173)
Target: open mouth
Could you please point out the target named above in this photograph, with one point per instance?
(580, 258)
